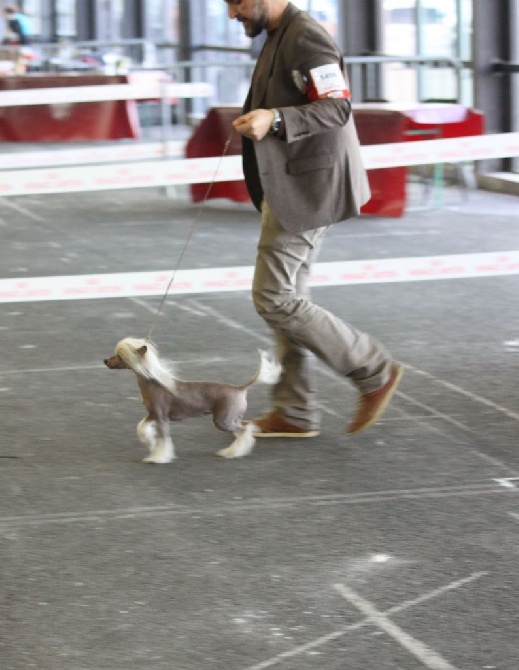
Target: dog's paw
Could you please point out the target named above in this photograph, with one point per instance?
(158, 459)
(242, 445)
(229, 452)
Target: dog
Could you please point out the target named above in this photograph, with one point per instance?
(167, 398)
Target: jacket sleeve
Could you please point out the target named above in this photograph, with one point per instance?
(310, 53)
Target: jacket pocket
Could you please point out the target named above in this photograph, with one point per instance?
(309, 163)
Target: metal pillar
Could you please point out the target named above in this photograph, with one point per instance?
(86, 21)
(493, 92)
(361, 35)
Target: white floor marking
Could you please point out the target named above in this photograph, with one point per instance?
(427, 656)
(83, 368)
(508, 482)
(462, 391)
(271, 504)
(319, 642)
(14, 205)
(76, 368)
(480, 454)
(514, 515)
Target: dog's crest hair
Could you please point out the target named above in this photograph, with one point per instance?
(148, 365)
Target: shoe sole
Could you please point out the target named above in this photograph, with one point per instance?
(310, 433)
(383, 406)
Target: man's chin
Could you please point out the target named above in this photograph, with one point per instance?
(250, 29)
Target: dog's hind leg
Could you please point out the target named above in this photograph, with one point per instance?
(163, 451)
(242, 445)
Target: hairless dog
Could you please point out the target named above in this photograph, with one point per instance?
(167, 398)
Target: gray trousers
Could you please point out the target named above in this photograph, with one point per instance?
(304, 330)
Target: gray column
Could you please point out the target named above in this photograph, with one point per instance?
(493, 92)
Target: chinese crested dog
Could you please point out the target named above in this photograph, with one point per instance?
(167, 399)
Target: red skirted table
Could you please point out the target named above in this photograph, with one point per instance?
(385, 123)
(75, 121)
(209, 139)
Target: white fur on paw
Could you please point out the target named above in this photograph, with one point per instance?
(242, 445)
(147, 433)
(228, 452)
(160, 459)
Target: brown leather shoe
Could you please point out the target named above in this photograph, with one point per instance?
(273, 424)
(372, 405)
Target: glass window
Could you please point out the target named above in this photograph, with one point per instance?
(218, 29)
(465, 29)
(162, 20)
(399, 27)
(110, 20)
(514, 79)
(426, 28)
(65, 18)
(33, 10)
(324, 11)
(437, 21)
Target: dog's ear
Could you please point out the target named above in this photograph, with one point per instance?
(142, 350)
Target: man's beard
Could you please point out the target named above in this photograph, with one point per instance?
(258, 23)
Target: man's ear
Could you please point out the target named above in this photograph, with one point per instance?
(142, 350)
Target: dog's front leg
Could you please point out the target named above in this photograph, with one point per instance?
(163, 451)
(242, 445)
(147, 432)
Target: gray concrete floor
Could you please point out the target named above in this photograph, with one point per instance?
(396, 549)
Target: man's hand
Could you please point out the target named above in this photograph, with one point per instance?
(254, 125)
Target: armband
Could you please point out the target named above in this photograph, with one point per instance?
(327, 81)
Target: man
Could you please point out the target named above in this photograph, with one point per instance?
(19, 25)
(303, 170)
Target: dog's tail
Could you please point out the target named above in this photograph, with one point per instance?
(268, 372)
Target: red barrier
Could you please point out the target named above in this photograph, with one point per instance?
(442, 121)
(82, 121)
(388, 186)
(209, 139)
(385, 123)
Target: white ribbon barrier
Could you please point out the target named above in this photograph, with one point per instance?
(124, 175)
(428, 152)
(209, 280)
(93, 154)
(153, 90)
(168, 172)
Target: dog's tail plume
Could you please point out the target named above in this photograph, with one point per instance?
(269, 369)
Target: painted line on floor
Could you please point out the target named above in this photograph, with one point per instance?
(508, 482)
(319, 642)
(449, 419)
(461, 391)
(427, 656)
(232, 506)
(370, 271)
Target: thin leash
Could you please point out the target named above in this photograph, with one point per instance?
(188, 239)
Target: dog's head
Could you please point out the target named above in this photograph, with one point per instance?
(141, 356)
(129, 355)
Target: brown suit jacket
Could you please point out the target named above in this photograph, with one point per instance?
(314, 176)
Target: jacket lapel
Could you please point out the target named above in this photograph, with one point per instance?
(265, 62)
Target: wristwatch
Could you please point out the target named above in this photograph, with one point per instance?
(276, 122)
